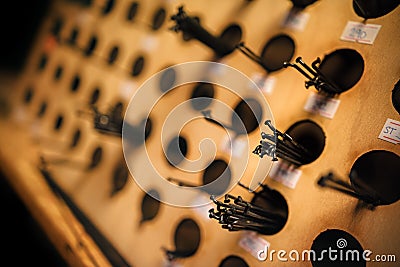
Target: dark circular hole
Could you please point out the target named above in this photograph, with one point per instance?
(42, 62)
(58, 122)
(206, 92)
(113, 55)
(177, 150)
(57, 26)
(309, 135)
(370, 9)
(231, 36)
(28, 95)
(233, 261)
(96, 157)
(150, 206)
(396, 96)
(108, 6)
(343, 67)
(91, 46)
(42, 109)
(248, 112)
(76, 81)
(375, 175)
(187, 239)
(167, 79)
(138, 66)
(132, 11)
(158, 18)
(272, 201)
(73, 37)
(186, 36)
(343, 243)
(276, 51)
(302, 3)
(58, 73)
(95, 96)
(75, 138)
(219, 172)
(120, 178)
(148, 128)
(134, 133)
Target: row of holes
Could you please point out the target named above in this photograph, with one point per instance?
(136, 69)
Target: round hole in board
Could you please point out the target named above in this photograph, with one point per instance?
(91, 46)
(310, 135)
(132, 11)
(73, 37)
(339, 240)
(137, 66)
(232, 35)
(158, 18)
(272, 201)
(396, 96)
(233, 261)
(375, 175)
(112, 57)
(302, 3)
(96, 157)
(187, 239)
(76, 81)
(120, 178)
(76, 137)
(343, 67)
(58, 123)
(150, 206)
(57, 26)
(248, 112)
(371, 9)
(28, 95)
(108, 7)
(42, 109)
(95, 96)
(204, 91)
(177, 150)
(167, 79)
(187, 36)
(278, 50)
(58, 73)
(42, 62)
(218, 173)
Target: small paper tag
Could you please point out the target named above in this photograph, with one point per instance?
(234, 147)
(391, 131)
(255, 245)
(127, 88)
(360, 33)
(322, 105)
(149, 43)
(167, 263)
(296, 20)
(285, 174)
(265, 83)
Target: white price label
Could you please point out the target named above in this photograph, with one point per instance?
(296, 20)
(391, 131)
(265, 83)
(322, 105)
(285, 174)
(360, 32)
(255, 245)
(234, 147)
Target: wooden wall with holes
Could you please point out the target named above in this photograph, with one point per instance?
(100, 53)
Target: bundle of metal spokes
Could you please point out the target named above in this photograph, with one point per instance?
(236, 214)
(281, 145)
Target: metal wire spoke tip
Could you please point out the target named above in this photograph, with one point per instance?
(281, 145)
